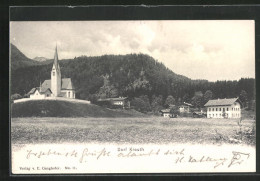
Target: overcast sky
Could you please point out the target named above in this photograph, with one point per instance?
(212, 50)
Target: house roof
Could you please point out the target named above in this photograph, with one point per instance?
(222, 102)
(188, 104)
(66, 83)
(165, 110)
(114, 99)
(41, 91)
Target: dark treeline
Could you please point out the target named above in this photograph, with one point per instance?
(134, 76)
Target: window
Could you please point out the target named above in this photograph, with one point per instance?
(227, 108)
(53, 73)
(209, 109)
(213, 110)
(219, 115)
(227, 114)
(209, 115)
(213, 115)
(232, 108)
(219, 109)
(68, 94)
(216, 109)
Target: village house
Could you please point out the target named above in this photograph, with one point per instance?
(54, 87)
(119, 102)
(224, 108)
(185, 107)
(166, 113)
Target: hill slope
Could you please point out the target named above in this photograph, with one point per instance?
(129, 75)
(19, 60)
(57, 108)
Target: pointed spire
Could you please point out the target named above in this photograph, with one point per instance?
(56, 57)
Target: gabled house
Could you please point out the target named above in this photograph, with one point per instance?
(224, 108)
(118, 102)
(166, 113)
(38, 93)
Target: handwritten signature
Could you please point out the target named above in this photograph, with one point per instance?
(237, 158)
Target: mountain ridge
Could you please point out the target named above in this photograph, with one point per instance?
(131, 75)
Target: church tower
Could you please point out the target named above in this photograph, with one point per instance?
(55, 76)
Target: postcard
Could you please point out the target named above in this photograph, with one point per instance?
(139, 96)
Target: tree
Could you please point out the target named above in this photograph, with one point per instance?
(186, 98)
(197, 99)
(15, 96)
(207, 96)
(146, 100)
(139, 104)
(175, 111)
(93, 98)
(156, 103)
(243, 97)
(169, 101)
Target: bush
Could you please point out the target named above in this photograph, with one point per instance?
(15, 96)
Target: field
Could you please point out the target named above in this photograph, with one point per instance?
(158, 130)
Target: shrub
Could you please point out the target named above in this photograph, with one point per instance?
(15, 96)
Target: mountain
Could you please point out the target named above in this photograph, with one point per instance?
(132, 75)
(40, 59)
(19, 60)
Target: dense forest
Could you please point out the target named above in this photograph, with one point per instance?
(148, 83)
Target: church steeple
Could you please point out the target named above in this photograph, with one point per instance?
(56, 58)
(55, 75)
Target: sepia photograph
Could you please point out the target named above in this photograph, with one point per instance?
(136, 96)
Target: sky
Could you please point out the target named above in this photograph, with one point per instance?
(211, 50)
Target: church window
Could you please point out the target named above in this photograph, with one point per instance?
(53, 73)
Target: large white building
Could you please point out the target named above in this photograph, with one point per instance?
(224, 108)
(56, 86)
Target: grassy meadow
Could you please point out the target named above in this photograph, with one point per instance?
(156, 130)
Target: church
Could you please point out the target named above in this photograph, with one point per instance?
(56, 86)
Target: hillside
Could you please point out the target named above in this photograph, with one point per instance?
(58, 108)
(132, 75)
(19, 60)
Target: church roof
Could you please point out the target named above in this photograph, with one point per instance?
(41, 91)
(221, 102)
(66, 84)
(56, 58)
